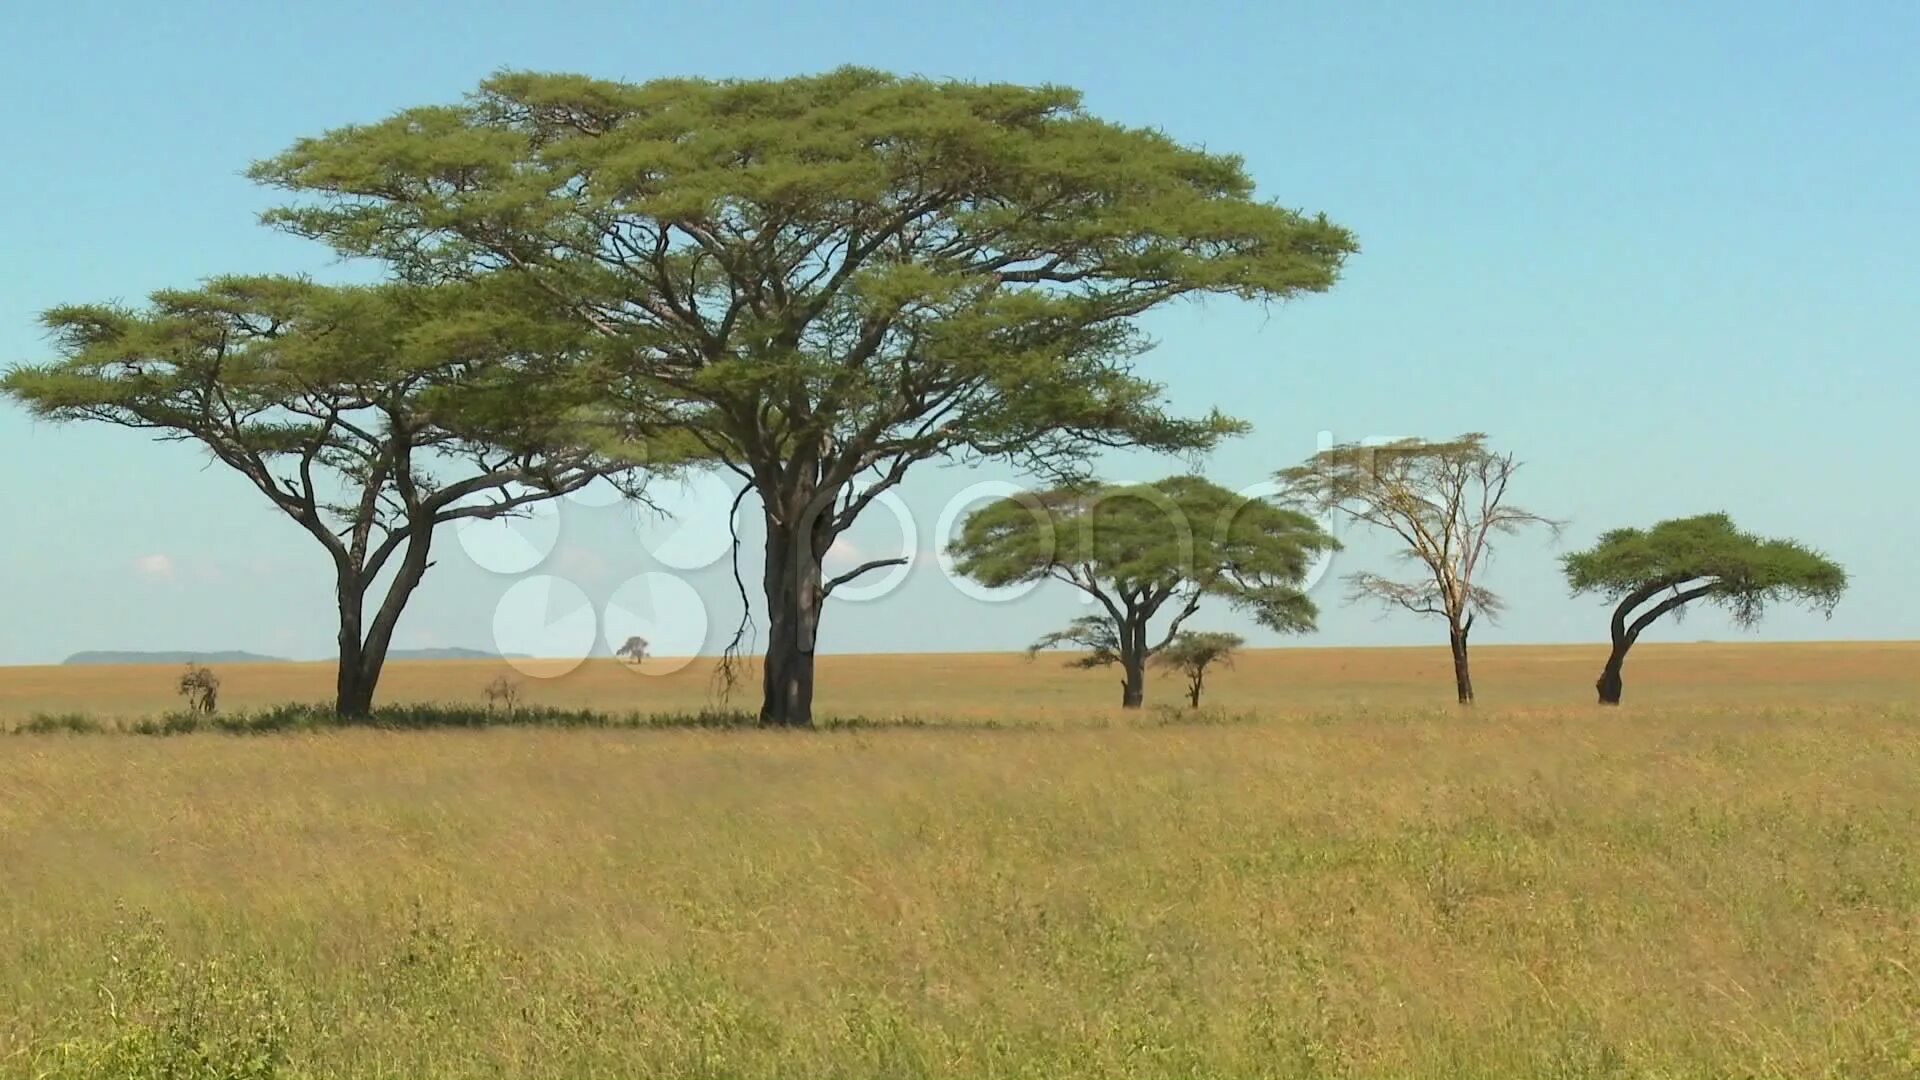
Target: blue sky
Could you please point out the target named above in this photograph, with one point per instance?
(1665, 253)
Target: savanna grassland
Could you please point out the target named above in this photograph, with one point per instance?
(1337, 874)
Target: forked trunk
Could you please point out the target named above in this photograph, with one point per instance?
(1193, 688)
(1462, 677)
(363, 655)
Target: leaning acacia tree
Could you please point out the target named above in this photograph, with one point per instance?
(367, 415)
(1446, 501)
(1684, 560)
(1141, 551)
(826, 279)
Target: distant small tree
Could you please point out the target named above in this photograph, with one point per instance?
(633, 650)
(201, 687)
(1702, 558)
(1445, 501)
(1143, 550)
(1192, 652)
(503, 692)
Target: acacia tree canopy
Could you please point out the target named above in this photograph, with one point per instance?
(1192, 652)
(826, 279)
(368, 415)
(1143, 550)
(1705, 559)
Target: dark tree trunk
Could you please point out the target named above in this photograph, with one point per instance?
(1462, 677)
(1193, 688)
(1133, 660)
(794, 592)
(363, 655)
(352, 691)
(1133, 688)
(1610, 684)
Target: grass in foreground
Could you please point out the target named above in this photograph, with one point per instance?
(1689, 892)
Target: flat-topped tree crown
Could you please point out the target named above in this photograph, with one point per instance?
(1704, 559)
(1140, 551)
(827, 278)
(368, 415)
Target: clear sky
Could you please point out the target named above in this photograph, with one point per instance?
(1665, 253)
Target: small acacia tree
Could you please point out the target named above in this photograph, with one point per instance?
(828, 279)
(367, 415)
(1684, 560)
(201, 687)
(1445, 501)
(1192, 652)
(1142, 550)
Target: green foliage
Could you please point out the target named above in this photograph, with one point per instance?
(1178, 539)
(825, 279)
(1708, 557)
(856, 252)
(369, 415)
(1196, 650)
(1143, 549)
(1192, 652)
(1093, 633)
(162, 1017)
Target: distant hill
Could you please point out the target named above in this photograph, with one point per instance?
(236, 656)
(449, 654)
(229, 656)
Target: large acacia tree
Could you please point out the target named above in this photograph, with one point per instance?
(368, 415)
(1446, 502)
(1143, 551)
(826, 279)
(1653, 572)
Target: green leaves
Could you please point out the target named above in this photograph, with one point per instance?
(1138, 547)
(867, 253)
(1736, 570)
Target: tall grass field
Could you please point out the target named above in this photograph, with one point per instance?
(1329, 872)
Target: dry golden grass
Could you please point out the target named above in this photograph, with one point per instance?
(1678, 888)
(1006, 685)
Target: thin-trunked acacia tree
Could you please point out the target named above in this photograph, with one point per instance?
(1446, 501)
(1704, 559)
(828, 278)
(1143, 550)
(368, 415)
(1192, 652)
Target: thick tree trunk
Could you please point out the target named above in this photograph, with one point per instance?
(1462, 677)
(1193, 690)
(352, 690)
(794, 592)
(1133, 688)
(363, 653)
(1609, 684)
